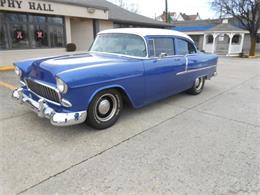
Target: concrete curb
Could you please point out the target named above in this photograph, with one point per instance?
(6, 68)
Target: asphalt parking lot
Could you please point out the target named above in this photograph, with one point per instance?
(205, 144)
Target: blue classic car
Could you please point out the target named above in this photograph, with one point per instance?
(135, 65)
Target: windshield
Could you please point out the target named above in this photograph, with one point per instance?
(126, 44)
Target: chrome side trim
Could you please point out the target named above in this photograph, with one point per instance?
(187, 62)
(22, 83)
(43, 110)
(195, 70)
(66, 103)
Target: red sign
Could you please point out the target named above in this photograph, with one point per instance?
(39, 35)
(19, 35)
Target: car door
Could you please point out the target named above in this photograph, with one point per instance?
(186, 48)
(161, 69)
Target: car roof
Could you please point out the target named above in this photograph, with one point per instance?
(147, 32)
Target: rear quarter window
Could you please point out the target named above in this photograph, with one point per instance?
(184, 47)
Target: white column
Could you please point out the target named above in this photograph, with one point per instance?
(68, 29)
(204, 42)
(214, 42)
(242, 41)
(230, 43)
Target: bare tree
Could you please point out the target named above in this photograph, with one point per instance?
(132, 7)
(247, 12)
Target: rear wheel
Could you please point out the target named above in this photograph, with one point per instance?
(197, 87)
(105, 109)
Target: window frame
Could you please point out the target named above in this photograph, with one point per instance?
(236, 37)
(207, 39)
(151, 38)
(8, 38)
(258, 38)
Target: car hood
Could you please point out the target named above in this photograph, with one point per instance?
(46, 69)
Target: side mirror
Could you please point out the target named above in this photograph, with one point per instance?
(162, 55)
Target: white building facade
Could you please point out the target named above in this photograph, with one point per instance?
(219, 36)
(37, 28)
(224, 39)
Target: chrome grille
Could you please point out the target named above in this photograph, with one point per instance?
(43, 91)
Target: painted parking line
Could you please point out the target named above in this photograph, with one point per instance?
(6, 68)
(7, 85)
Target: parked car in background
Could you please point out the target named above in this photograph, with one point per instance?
(133, 65)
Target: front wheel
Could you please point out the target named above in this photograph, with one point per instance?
(197, 87)
(105, 108)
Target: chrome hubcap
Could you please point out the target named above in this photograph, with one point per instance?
(104, 106)
(198, 83)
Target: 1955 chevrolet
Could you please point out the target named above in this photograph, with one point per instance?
(135, 65)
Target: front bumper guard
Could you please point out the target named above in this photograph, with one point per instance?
(44, 111)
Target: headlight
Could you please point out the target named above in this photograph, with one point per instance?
(61, 85)
(18, 71)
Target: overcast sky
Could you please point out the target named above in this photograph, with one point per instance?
(151, 8)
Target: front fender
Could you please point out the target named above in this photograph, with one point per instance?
(85, 82)
(113, 87)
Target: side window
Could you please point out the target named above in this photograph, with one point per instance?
(184, 47)
(164, 45)
(160, 45)
(191, 48)
(151, 49)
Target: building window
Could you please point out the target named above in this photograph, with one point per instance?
(3, 37)
(236, 39)
(96, 27)
(30, 31)
(210, 39)
(258, 38)
(118, 25)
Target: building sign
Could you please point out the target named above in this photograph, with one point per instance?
(19, 35)
(31, 5)
(59, 8)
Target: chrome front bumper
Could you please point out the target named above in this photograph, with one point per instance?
(44, 111)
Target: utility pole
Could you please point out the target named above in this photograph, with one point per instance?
(166, 11)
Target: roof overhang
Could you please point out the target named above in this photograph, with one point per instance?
(242, 31)
(155, 24)
(194, 32)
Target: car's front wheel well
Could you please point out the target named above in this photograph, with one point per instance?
(125, 97)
